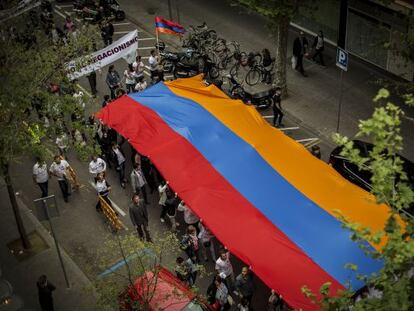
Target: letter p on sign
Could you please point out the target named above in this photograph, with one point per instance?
(342, 59)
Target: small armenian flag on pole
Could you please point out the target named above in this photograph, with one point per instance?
(168, 27)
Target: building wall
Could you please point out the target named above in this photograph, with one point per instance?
(373, 31)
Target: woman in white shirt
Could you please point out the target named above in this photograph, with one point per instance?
(129, 75)
(103, 189)
(41, 176)
(141, 84)
(119, 157)
(138, 67)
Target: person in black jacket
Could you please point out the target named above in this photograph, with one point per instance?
(300, 49)
(277, 107)
(107, 31)
(45, 289)
(319, 46)
(171, 205)
(139, 217)
(113, 80)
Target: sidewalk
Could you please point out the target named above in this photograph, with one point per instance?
(313, 101)
(23, 275)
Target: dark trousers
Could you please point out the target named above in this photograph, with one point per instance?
(299, 64)
(121, 172)
(107, 40)
(164, 209)
(64, 187)
(44, 188)
(113, 90)
(92, 82)
(130, 88)
(277, 116)
(47, 305)
(320, 54)
(141, 229)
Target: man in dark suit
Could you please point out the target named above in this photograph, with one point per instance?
(139, 217)
(300, 46)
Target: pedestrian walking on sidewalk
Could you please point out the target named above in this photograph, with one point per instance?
(244, 285)
(45, 289)
(113, 80)
(186, 270)
(225, 269)
(171, 209)
(162, 190)
(300, 49)
(141, 84)
(97, 166)
(139, 217)
(138, 67)
(319, 45)
(222, 294)
(103, 188)
(119, 157)
(190, 218)
(277, 106)
(41, 176)
(92, 82)
(190, 244)
(107, 31)
(138, 182)
(153, 61)
(59, 169)
(129, 75)
(206, 238)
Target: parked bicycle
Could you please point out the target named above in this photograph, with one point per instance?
(259, 73)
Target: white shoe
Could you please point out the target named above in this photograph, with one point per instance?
(162, 219)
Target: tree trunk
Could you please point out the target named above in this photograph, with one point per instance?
(281, 34)
(13, 201)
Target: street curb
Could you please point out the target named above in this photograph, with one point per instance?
(51, 243)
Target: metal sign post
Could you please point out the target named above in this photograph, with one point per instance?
(341, 62)
(45, 212)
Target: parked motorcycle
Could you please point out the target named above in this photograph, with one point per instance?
(88, 10)
(261, 100)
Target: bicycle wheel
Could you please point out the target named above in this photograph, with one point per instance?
(211, 35)
(214, 72)
(233, 48)
(219, 44)
(167, 65)
(234, 71)
(253, 76)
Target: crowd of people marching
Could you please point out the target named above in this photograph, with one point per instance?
(197, 244)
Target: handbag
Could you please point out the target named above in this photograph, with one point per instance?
(294, 61)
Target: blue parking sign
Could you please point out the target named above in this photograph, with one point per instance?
(342, 59)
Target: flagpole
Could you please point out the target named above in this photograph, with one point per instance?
(158, 45)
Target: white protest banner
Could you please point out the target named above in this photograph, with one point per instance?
(125, 47)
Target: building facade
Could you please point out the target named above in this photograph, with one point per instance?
(374, 30)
